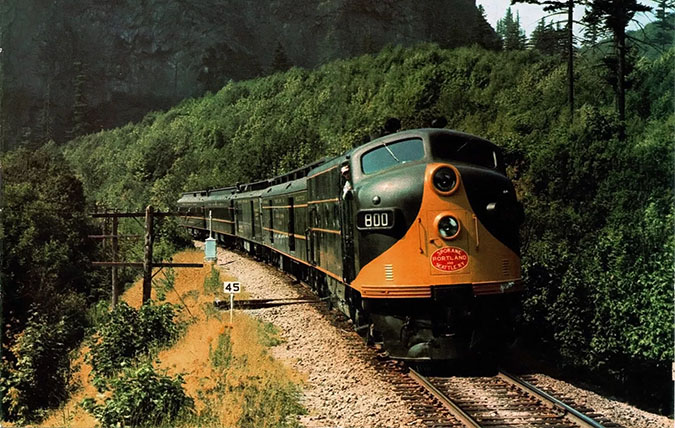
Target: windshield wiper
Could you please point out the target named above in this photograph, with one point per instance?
(391, 153)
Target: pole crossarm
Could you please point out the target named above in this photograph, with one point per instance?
(147, 264)
(114, 236)
(140, 264)
(129, 215)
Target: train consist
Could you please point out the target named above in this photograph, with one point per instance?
(414, 236)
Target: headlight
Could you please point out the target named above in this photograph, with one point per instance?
(445, 179)
(448, 227)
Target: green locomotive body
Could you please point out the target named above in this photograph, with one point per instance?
(413, 235)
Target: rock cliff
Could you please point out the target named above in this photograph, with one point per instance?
(73, 66)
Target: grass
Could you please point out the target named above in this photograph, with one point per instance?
(228, 369)
(243, 385)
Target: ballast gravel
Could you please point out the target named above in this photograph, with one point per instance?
(342, 389)
(618, 412)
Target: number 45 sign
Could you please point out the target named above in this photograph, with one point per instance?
(231, 287)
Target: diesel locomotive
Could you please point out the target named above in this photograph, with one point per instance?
(413, 235)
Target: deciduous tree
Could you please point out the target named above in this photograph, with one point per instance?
(46, 278)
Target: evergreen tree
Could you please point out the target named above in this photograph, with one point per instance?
(537, 35)
(665, 22)
(549, 39)
(281, 62)
(593, 31)
(80, 106)
(614, 15)
(485, 32)
(567, 7)
(481, 11)
(512, 35)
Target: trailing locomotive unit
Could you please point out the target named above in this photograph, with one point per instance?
(414, 235)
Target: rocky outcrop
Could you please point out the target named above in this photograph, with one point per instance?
(73, 66)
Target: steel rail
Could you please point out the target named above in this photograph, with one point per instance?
(456, 411)
(570, 413)
(154, 265)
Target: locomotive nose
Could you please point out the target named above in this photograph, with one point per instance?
(492, 199)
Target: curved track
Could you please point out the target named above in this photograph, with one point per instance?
(503, 401)
(493, 401)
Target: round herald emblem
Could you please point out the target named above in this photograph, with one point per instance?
(449, 259)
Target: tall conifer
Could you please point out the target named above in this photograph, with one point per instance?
(512, 35)
(563, 7)
(614, 15)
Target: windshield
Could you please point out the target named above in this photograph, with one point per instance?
(392, 154)
(465, 149)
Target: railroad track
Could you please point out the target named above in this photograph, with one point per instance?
(430, 412)
(453, 402)
(504, 401)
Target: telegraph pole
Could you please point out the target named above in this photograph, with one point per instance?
(115, 286)
(147, 264)
(147, 258)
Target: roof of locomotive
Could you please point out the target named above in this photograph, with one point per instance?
(274, 185)
(223, 194)
(422, 132)
(286, 188)
(195, 197)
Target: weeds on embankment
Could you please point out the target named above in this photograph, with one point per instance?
(213, 374)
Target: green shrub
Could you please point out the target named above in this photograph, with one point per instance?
(37, 376)
(282, 413)
(598, 258)
(142, 397)
(117, 341)
(269, 334)
(165, 284)
(157, 324)
(97, 313)
(128, 334)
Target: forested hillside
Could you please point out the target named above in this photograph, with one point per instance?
(597, 240)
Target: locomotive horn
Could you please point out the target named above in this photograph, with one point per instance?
(392, 125)
(439, 122)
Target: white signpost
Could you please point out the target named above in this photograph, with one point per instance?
(232, 288)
